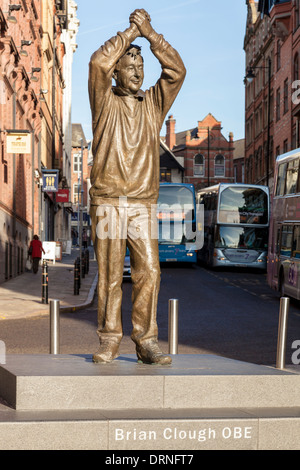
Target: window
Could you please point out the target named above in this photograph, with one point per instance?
(296, 67)
(286, 240)
(278, 104)
(277, 241)
(219, 165)
(76, 196)
(285, 96)
(198, 165)
(292, 176)
(165, 175)
(5, 173)
(278, 55)
(296, 242)
(77, 162)
(285, 146)
(281, 180)
(296, 14)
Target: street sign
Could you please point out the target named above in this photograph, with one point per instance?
(49, 248)
(18, 142)
(50, 181)
(63, 195)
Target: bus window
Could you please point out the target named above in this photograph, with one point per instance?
(281, 179)
(239, 205)
(292, 176)
(296, 242)
(286, 240)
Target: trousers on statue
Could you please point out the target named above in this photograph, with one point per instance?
(115, 228)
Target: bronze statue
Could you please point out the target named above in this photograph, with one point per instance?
(125, 181)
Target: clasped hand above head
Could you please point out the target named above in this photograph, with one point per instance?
(141, 19)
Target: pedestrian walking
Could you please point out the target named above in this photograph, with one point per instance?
(35, 251)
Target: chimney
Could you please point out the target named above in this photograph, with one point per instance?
(170, 135)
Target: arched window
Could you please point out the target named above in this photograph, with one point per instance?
(198, 165)
(219, 165)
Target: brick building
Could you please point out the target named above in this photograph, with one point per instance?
(272, 42)
(20, 46)
(239, 161)
(205, 154)
(80, 180)
(30, 109)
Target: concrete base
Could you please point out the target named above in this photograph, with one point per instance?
(199, 402)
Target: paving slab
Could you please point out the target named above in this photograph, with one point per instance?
(21, 297)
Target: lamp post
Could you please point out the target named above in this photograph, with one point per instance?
(249, 78)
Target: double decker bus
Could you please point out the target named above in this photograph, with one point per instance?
(283, 271)
(176, 214)
(236, 223)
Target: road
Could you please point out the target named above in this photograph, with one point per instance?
(229, 313)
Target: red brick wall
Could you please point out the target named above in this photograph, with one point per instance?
(19, 109)
(277, 37)
(198, 144)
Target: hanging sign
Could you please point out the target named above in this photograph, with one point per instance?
(18, 142)
(50, 181)
(63, 195)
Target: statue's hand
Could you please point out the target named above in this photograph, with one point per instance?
(142, 20)
(134, 31)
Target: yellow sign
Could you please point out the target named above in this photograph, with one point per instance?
(18, 143)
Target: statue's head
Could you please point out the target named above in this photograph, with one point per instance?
(129, 70)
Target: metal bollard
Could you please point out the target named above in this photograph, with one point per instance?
(76, 278)
(282, 332)
(54, 327)
(173, 326)
(45, 283)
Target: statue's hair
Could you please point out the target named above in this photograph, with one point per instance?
(137, 51)
(134, 51)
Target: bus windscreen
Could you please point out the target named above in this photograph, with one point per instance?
(243, 206)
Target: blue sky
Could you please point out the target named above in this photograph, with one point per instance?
(208, 35)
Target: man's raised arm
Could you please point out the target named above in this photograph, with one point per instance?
(173, 69)
(102, 65)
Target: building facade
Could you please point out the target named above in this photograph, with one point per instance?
(205, 154)
(272, 48)
(80, 182)
(31, 113)
(239, 161)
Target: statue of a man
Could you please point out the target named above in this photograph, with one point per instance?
(125, 181)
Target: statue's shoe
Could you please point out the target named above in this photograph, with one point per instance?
(151, 354)
(107, 352)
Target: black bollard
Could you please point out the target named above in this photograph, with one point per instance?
(83, 265)
(79, 273)
(76, 278)
(45, 283)
(87, 261)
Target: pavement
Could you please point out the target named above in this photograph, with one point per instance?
(21, 296)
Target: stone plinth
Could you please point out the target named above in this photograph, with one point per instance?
(199, 402)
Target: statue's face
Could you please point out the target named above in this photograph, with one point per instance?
(129, 74)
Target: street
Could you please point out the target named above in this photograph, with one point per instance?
(232, 313)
